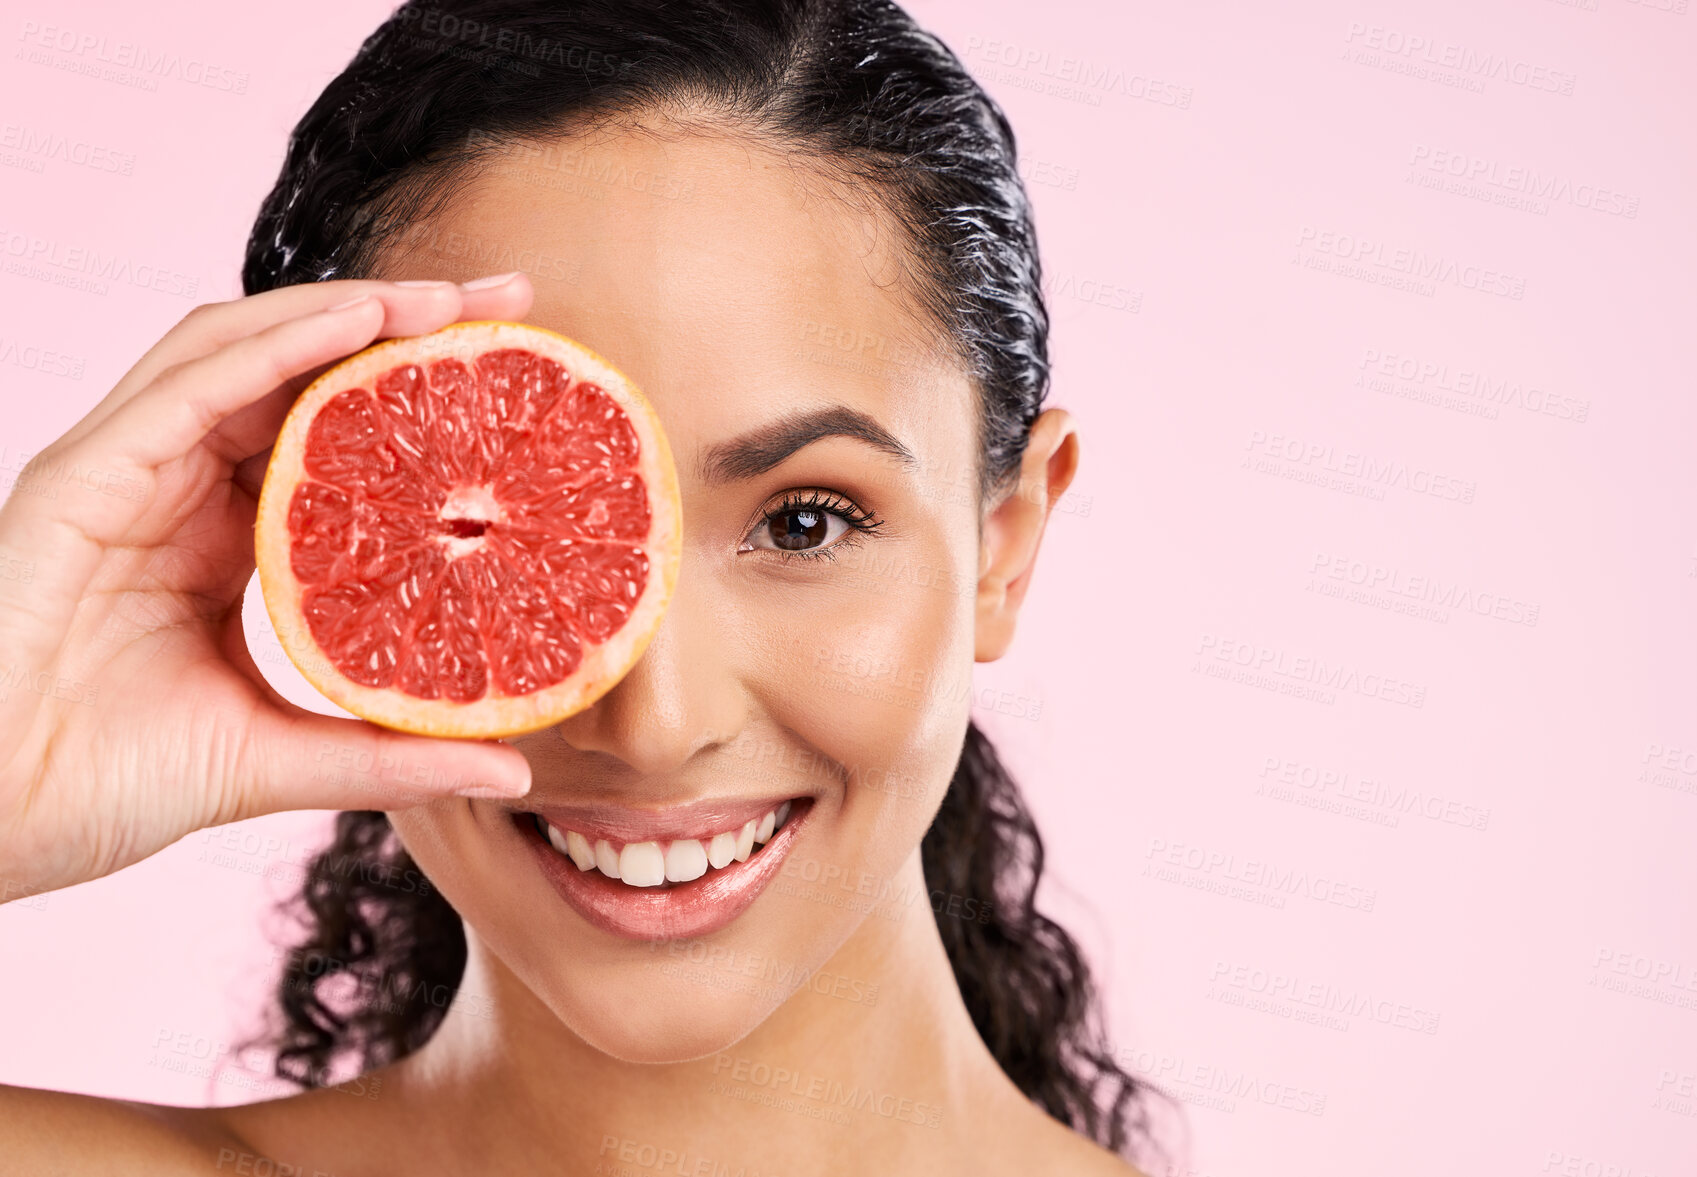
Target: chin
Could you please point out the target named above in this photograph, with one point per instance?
(657, 1019)
(663, 957)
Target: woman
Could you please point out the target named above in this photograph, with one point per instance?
(716, 194)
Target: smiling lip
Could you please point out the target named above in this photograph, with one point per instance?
(676, 910)
(618, 824)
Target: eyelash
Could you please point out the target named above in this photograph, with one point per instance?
(861, 523)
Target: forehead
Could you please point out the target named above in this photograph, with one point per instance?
(733, 281)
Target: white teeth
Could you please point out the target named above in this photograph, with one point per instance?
(606, 859)
(686, 859)
(649, 864)
(557, 840)
(581, 851)
(642, 864)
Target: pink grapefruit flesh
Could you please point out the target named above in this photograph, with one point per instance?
(471, 533)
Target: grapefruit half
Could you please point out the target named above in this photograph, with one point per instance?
(470, 533)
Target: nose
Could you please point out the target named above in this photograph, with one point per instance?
(682, 695)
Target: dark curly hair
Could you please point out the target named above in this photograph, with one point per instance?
(857, 86)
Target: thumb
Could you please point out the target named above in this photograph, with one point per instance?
(293, 758)
(308, 761)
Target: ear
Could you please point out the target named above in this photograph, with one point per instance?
(1013, 529)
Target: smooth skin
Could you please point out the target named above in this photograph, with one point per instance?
(845, 679)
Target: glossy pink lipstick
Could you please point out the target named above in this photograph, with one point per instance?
(674, 883)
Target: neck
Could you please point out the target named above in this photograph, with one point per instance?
(870, 1067)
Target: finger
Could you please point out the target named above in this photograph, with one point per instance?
(177, 412)
(295, 759)
(300, 760)
(66, 533)
(257, 424)
(407, 307)
(218, 324)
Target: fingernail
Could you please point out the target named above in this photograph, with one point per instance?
(352, 302)
(490, 282)
(424, 282)
(495, 791)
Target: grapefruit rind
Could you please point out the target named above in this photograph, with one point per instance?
(495, 714)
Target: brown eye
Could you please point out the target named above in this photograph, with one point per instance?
(798, 528)
(806, 524)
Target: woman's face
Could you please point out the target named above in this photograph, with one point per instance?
(749, 297)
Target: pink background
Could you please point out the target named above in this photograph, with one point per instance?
(1354, 934)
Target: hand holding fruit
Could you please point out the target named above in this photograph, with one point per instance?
(131, 713)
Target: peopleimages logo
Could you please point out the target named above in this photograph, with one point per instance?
(1168, 860)
(1673, 974)
(1277, 662)
(1496, 392)
(1323, 996)
(130, 56)
(48, 145)
(450, 30)
(1414, 48)
(1415, 264)
(1521, 181)
(40, 359)
(22, 253)
(1431, 590)
(1292, 780)
(1189, 1080)
(1076, 71)
(621, 1156)
(1372, 472)
(820, 1089)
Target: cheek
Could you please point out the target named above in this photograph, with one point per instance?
(875, 680)
(441, 839)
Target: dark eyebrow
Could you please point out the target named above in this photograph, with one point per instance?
(759, 450)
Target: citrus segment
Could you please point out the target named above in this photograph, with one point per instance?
(469, 533)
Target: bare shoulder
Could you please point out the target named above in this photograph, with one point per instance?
(1069, 1153)
(1032, 1141)
(61, 1132)
(67, 1134)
